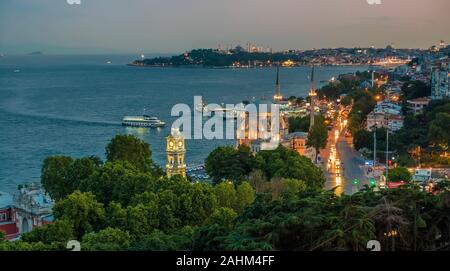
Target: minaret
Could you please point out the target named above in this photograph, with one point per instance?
(278, 97)
(312, 95)
(373, 78)
(175, 154)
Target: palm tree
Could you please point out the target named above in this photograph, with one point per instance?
(391, 223)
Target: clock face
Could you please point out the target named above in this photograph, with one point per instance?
(171, 143)
(180, 144)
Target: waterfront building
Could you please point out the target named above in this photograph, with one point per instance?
(176, 151)
(7, 224)
(440, 73)
(32, 208)
(23, 212)
(264, 138)
(417, 105)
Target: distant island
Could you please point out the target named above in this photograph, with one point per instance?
(238, 57)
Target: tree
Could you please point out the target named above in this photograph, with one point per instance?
(55, 178)
(245, 195)
(285, 163)
(391, 223)
(363, 104)
(142, 219)
(59, 231)
(439, 131)
(363, 139)
(116, 215)
(298, 124)
(226, 194)
(399, 174)
(415, 89)
(118, 181)
(351, 230)
(203, 201)
(258, 181)
(224, 217)
(82, 211)
(228, 163)
(82, 169)
(158, 240)
(62, 175)
(346, 101)
(318, 136)
(210, 237)
(131, 149)
(109, 239)
(291, 188)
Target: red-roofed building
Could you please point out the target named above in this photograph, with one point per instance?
(7, 222)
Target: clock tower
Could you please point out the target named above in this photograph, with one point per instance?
(175, 150)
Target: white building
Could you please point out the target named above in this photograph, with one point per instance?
(395, 122)
(440, 88)
(418, 104)
(32, 208)
(380, 120)
(388, 107)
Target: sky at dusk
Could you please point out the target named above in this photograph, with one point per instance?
(171, 26)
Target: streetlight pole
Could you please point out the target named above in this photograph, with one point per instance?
(374, 146)
(386, 114)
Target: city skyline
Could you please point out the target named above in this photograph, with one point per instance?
(100, 26)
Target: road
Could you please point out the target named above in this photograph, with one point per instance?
(353, 165)
(342, 164)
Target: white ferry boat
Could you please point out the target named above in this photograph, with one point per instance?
(142, 121)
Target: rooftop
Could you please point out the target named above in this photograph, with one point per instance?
(296, 135)
(5, 199)
(420, 100)
(395, 117)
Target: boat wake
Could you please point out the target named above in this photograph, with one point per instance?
(54, 118)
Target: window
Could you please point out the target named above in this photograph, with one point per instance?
(3, 216)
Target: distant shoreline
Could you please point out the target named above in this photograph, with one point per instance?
(240, 68)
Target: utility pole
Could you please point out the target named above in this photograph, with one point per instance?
(419, 149)
(374, 146)
(387, 148)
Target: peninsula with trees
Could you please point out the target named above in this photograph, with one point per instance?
(239, 57)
